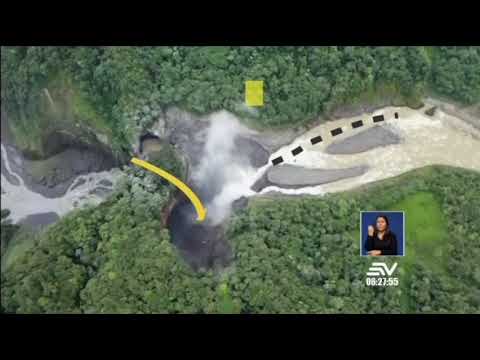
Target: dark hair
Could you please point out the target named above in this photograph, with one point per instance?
(387, 230)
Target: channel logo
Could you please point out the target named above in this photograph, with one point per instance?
(381, 269)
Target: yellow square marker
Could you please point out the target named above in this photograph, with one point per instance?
(254, 92)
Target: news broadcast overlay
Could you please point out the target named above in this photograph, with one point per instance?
(382, 233)
(381, 274)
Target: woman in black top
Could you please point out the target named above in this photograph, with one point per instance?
(380, 240)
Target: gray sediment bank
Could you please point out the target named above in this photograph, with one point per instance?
(376, 136)
(294, 177)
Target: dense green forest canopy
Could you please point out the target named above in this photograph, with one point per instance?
(291, 256)
(126, 87)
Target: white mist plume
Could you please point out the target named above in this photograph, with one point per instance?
(224, 174)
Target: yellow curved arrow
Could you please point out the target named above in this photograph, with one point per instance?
(201, 211)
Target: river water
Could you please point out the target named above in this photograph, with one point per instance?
(27, 206)
(442, 139)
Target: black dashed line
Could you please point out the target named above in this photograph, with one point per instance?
(316, 140)
(357, 124)
(277, 160)
(297, 150)
(336, 131)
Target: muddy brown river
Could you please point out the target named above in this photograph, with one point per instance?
(442, 139)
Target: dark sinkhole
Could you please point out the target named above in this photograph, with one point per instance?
(202, 245)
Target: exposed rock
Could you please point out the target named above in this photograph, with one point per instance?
(40, 220)
(80, 181)
(53, 176)
(431, 111)
(261, 183)
(159, 128)
(239, 204)
(151, 145)
(256, 154)
(187, 134)
(100, 191)
(102, 138)
(105, 182)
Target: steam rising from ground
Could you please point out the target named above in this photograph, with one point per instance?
(224, 174)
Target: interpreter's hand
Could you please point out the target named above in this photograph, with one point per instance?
(375, 253)
(370, 230)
